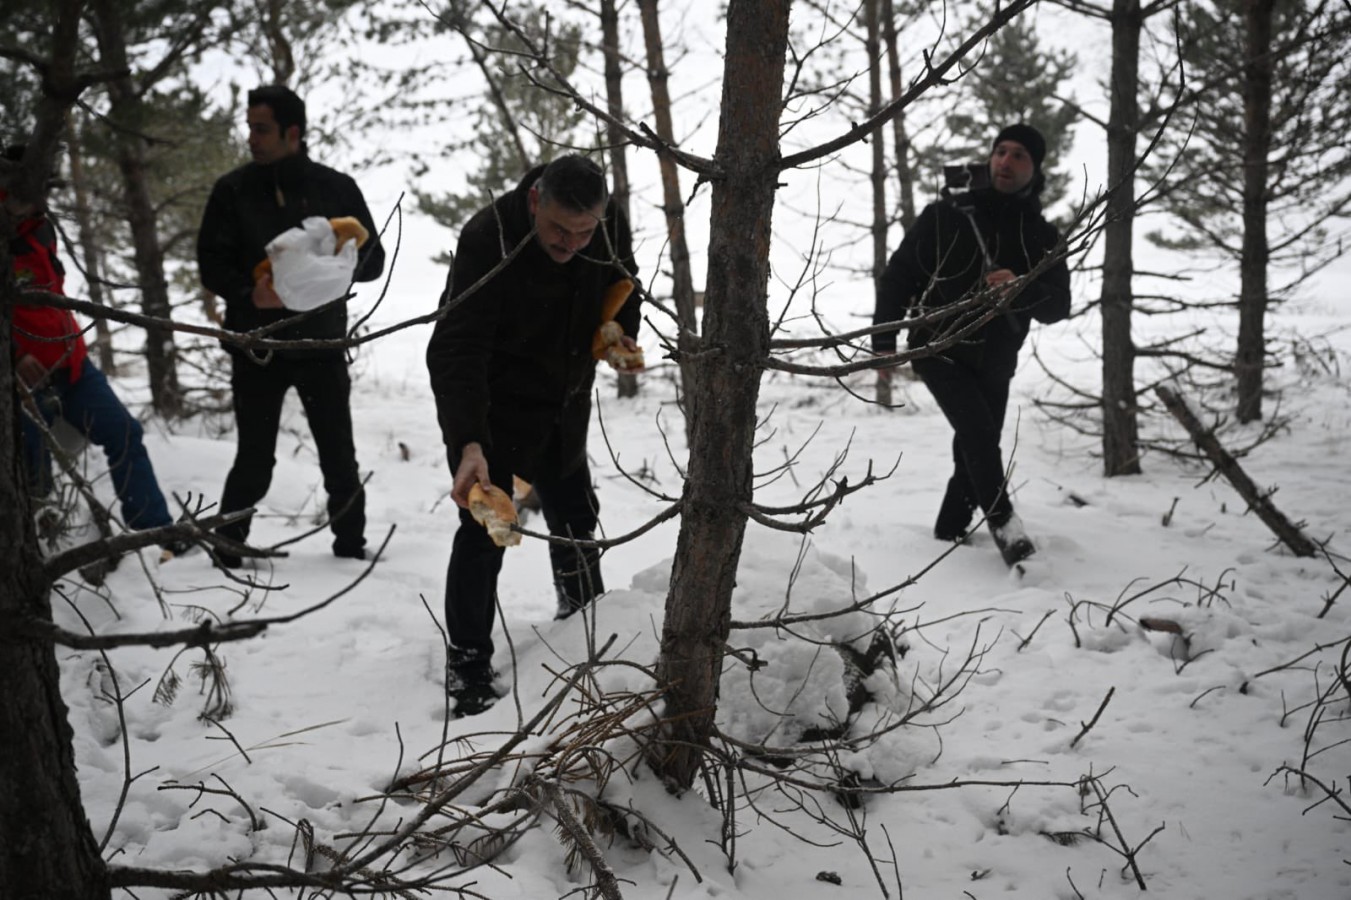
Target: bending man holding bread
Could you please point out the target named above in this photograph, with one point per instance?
(249, 207)
(512, 363)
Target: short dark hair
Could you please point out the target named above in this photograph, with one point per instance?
(287, 107)
(574, 181)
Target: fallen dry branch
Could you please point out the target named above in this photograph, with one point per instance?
(1088, 726)
(1228, 466)
(607, 885)
(1331, 793)
(114, 545)
(1125, 850)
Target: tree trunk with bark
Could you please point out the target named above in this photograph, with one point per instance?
(873, 44)
(905, 175)
(724, 387)
(1252, 297)
(673, 204)
(273, 27)
(127, 113)
(1258, 501)
(875, 11)
(47, 849)
(614, 104)
(1120, 426)
(90, 246)
(619, 159)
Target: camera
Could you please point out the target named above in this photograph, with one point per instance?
(966, 178)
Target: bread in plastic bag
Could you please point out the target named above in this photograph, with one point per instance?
(305, 271)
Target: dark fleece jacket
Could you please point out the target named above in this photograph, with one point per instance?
(248, 208)
(510, 361)
(939, 262)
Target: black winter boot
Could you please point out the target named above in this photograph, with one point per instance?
(470, 683)
(954, 516)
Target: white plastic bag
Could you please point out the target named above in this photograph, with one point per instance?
(305, 271)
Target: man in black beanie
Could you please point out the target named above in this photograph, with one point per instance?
(989, 241)
(1031, 142)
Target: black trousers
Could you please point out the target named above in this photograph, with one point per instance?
(974, 402)
(324, 388)
(571, 510)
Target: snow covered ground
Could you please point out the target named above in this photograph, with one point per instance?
(328, 710)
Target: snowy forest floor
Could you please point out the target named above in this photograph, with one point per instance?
(327, 710)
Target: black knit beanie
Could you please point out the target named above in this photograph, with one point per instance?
(1026, 135)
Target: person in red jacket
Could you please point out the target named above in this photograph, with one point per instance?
(52, 364)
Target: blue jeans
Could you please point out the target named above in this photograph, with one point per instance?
(91, 407)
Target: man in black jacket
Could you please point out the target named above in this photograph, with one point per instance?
(989, 239)
(512, 369)
(248, 208)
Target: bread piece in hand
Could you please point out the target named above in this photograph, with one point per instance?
(347, 228)
(625, 360)
(492, 508)
(609, 332)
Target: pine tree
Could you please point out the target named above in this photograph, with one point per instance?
(520, 125)
(1015, 80)
(1258, 175)
(194, 143)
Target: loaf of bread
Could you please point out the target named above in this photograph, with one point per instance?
(492, 508)
(347, 228)
(608, 342)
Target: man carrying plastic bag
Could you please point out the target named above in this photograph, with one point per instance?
(248, 208)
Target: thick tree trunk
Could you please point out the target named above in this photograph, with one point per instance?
(127, 112)
(90, 246)
(673, 204)
(619, 160)
(47, 849)
(1120, 428)
(1252, 297)
(724, 386)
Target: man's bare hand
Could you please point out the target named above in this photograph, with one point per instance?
(265, 295)
(626, 356)
(1000, 278)
(30, 371)
(473, 469)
